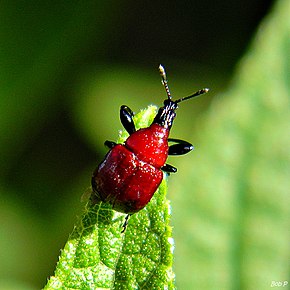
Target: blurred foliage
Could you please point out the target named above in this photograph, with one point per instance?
(236, 215)
(65, 69)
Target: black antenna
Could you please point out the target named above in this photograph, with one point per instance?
(196, 94)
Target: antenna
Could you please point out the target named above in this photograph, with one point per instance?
(164, 81)
(196, 94)
(165, 84)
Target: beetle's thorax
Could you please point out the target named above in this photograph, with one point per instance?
(150, 144)
(166, 114)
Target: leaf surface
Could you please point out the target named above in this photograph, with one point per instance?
(97, 255)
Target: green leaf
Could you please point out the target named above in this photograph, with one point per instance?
(97, 255)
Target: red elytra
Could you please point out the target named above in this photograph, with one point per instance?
(131, 172)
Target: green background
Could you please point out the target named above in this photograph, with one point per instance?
(65, 69)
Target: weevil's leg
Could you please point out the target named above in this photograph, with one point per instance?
(124, 226)
(126, 116)
(169, 168)
(110, 144)
(182, 147)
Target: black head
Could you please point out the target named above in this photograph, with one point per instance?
(166, 114)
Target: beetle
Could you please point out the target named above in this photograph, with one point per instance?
(131, 172)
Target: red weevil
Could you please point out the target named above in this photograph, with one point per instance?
(131, 172)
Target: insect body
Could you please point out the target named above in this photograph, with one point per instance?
(131, 172)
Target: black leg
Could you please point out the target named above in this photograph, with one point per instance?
(126, 116)
(110, 144)
(182, 147)
(124, 226)
(169, 168)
